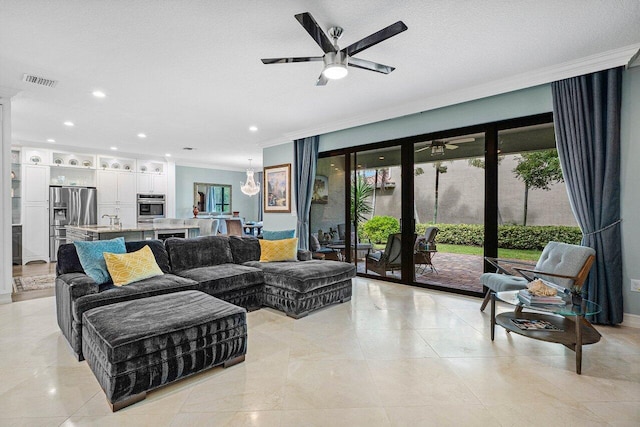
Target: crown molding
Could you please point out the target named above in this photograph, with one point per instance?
(623, 56)
(634, 61)
(8, 92)
(192, 164)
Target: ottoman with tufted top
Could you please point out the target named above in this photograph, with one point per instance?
(136, 346)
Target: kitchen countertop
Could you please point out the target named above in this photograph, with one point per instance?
(138, 227)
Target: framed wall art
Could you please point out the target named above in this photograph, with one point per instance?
(320, 190)
(277, 188)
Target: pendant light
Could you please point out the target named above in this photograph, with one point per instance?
(250, 188)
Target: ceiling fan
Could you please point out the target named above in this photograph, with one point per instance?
(336, 59)
(438, 146)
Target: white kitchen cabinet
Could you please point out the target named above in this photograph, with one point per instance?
(126, 212)
(117, 196)
(35, 220)
(116, 187)
(36, 184)
(35, 233)
(152, 183)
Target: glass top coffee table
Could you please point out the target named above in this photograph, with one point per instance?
(565, 324)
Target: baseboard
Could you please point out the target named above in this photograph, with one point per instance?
(631, 320)
(5, 298)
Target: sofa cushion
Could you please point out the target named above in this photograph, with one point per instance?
(244, 249)
(132, 267)
(186, 254)
(222, 278)
(158, 285)
(68, 261)
(279, 250)
(158, 249)
(278, 234)
(304, 276)
(91, 256)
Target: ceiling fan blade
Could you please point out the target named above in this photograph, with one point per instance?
(461, 140)
(368, 65)
(375, 38)
(286, 60)
(423, 148)
(322, 80)
(306, 20)
(450, 146)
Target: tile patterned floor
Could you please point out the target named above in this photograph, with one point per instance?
(455, 271)
(393, 356)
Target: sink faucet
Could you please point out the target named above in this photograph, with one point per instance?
(113, 219)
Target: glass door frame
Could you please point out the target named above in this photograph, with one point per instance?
(406, 145)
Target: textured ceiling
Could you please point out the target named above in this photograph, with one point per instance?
(188, 73)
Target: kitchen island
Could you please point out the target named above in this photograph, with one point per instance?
(137, 232)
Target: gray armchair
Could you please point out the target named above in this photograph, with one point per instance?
(561, 263)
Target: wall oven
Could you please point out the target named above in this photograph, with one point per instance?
(151, 206)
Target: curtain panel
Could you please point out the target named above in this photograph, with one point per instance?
(306, 160)
(259, 179)
(586, 112)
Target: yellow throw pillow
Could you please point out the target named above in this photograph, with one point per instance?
(131, 267)
(279, 250)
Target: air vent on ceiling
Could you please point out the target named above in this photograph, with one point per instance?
(39, 80)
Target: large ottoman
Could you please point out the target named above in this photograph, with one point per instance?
(136, 346)
(298, 288)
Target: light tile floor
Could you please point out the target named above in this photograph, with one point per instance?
(393, 356)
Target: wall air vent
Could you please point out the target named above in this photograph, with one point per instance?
(29, 78)
(188, 148)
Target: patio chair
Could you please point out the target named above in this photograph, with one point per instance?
(424, 250)
(321, 252)
(561, 263)
(388, 260)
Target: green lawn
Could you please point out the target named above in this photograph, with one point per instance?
(521, 254)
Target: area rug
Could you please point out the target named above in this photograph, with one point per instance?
(33, 283)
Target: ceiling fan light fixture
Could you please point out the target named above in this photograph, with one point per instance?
(335, 65)
(437, 150)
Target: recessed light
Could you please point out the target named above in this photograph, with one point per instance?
(168, 155)
(70, 124)
(381, 158)
(253, 128)
(51, 140)
(114, 148)
(142, 135)
(98, 94)
(332, 164)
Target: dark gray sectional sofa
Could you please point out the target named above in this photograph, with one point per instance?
(227, 268)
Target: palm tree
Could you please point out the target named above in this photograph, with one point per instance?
(361, 192)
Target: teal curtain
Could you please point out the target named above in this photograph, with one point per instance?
(306, 160)
(586, 112)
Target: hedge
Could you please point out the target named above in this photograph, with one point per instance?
(378, 228)
(509, 236)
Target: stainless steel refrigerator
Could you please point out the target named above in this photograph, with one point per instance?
(69, 206)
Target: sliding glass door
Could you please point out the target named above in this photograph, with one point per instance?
(376, 215)
(426, 209)
(449, 211)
